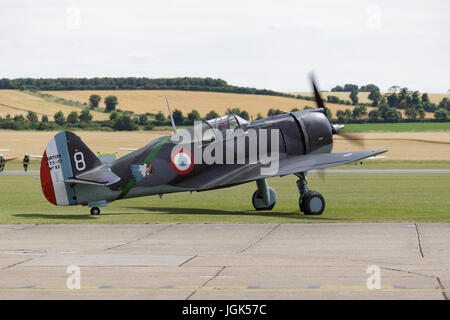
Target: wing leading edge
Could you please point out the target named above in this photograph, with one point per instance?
(289, 164)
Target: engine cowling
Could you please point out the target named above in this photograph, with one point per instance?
(316, 130)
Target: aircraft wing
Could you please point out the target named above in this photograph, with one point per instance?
(289, 164)
(9, 159)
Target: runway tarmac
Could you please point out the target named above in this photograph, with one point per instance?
(226, 261)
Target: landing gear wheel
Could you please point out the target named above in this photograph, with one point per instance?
(95, 211)
(258, 202)
(312, 203)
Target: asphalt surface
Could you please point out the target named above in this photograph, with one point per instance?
(226, 261)
(19, 172)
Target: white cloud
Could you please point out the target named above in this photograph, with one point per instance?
(264, 44)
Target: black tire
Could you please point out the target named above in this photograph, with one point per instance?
(312, 203)
(257, 196)
(95, 211)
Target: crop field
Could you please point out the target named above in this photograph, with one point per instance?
(142, 101)
(427, 145)
(15, 102)
(398, 127)
(350, 198)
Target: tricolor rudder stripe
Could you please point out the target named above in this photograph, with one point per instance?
(55, 168)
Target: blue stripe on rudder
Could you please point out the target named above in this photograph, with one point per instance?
(66, 166)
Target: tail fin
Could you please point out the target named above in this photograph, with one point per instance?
(65, 157)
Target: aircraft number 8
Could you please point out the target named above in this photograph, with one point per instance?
(79, 161)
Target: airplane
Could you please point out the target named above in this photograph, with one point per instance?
(299, 141)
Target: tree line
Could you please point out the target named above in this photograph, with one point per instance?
(132, 83)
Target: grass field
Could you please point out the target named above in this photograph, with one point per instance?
(367, 164)
(398, 127)
(15, 102)
(350, 198)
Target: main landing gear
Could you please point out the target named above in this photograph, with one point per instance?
(95, 211)
(264, 198)
(310, 202)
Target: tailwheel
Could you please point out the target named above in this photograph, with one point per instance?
(258, 202)
(312, 203)
(95, 211)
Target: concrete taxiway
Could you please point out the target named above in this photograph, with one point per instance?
(226, 261)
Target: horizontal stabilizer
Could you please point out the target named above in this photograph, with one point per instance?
(100, 176)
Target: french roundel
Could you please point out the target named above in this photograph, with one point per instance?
(182, 161)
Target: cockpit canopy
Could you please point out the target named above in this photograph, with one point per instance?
(229, 121)
(211, 128)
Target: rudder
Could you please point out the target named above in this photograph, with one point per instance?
(65, 157)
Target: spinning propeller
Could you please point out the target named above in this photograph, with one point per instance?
(335, 128)
(357, 139)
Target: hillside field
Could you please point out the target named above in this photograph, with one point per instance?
(153, 101)
(14, 102)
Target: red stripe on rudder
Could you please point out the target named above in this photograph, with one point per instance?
(46, 180)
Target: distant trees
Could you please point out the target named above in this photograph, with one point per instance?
(337, 89)
(32, 117)
(333, 99)
(237, 111)
(160, 119)
(441, 114)
(85, 115)
(113, 116)
(72, 118)
(273, 112)
(59, 118)
(374, 115)
(354, 97)
(143, 119)
(211, 115)
(193, 116)
(445, 104)
(124, 123)
(347, 88)
(375, 97)
(359, 112)
(394, 89)
(411, 113)
(111, 102)
(369, 88)
(94, 100)
(344, 116)
(133, 83)
(178, 117)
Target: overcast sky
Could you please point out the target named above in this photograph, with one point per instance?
(263, 44)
